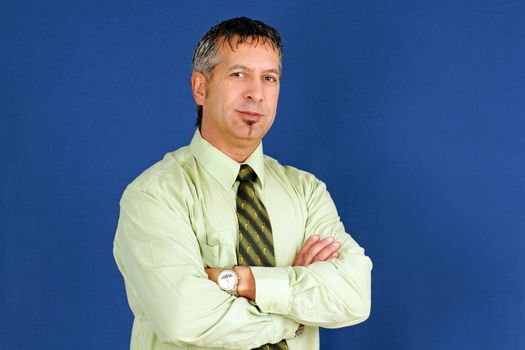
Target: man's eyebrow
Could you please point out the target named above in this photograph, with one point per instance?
(241, 67)
(273, 70)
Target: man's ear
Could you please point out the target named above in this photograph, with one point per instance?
(198, 87)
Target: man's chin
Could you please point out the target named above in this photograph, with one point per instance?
(250, 134)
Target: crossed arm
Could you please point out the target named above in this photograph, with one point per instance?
(314, 250)
(167, 285)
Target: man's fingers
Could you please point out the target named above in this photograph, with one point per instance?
(315, 250)
(333, 256)
(300, 258)
(327, 252)
(309, 244)
(311, 254)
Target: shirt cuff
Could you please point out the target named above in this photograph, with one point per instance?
(272, 289)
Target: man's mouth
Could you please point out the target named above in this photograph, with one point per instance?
(250, 117)
(249, 113)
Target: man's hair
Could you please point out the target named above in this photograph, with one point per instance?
(235, 31)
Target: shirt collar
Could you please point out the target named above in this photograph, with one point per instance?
(221, 167)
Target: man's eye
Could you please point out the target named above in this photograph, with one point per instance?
(270, 78)
(238, 74)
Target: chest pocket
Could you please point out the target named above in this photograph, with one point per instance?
(219, 250)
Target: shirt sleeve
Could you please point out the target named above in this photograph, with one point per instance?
(159, 257)
(331, 294)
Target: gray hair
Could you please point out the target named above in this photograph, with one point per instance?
(235, 31)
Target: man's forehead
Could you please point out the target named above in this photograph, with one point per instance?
(248, 57)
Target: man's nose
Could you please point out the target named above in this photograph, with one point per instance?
(254, 90)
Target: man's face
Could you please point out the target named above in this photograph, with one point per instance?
(240, 97)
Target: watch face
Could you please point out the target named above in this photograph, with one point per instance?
(228, 280)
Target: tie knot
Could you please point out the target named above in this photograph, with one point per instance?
(246, 173)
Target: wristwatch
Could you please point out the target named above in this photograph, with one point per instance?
(228, 281)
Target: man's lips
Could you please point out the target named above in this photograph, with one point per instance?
(250, 115)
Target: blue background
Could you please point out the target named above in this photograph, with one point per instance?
(412, 112)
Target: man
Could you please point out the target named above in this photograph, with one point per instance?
(222, 247)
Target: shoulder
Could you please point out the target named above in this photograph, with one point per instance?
(302, 181)
(168, 178)
(306, 188)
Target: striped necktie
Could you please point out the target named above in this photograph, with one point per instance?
(255, 231)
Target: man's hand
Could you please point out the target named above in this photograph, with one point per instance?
(315, 250)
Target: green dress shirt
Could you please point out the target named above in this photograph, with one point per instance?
(179, 216)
